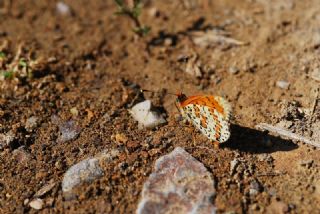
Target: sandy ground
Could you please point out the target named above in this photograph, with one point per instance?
(87, 66)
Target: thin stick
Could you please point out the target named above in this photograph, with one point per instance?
(287, 134)
(315, 103)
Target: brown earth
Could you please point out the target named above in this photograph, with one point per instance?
(90, 60)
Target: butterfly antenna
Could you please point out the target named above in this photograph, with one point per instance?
(146, 90)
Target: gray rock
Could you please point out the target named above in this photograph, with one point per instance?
(21, 155)
(255, 188)
(84, 171)
(68, 129)
(7, 139)
(179, 184)
(31, 123)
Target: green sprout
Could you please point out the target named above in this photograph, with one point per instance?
(7, 74)
(133, 13)
(2, 55)
(23, 63)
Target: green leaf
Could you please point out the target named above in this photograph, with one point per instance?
(143, 30)
(7, 74)
(2, 54)
(23, 63)
(119, 3)
(136, 11)
(146, 30)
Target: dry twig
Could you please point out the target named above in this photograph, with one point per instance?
(286, 133)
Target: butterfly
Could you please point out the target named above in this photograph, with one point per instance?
(210, 114)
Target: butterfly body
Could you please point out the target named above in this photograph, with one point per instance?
(209, 114)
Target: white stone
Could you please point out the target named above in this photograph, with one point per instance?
(283, 84)
(62, 8)
(36, 204)
(142, 113)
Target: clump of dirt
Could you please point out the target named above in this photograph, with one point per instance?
(86, 66)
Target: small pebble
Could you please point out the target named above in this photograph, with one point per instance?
(31, 123)
(26, 201)
(74, 111)
(272, 191)
(36, 204)
(233, 166)
(63, 9)
(233, 70)
(153, 12)
(283, 84)
(21, 155)
(7, 139)
(120, 138)
(316, 74)
(168, 42)
(255, 188)
(69, 131)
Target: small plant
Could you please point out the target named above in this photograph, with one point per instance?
(19, 67)
(7, 74)
(132, 11)
(2, 55)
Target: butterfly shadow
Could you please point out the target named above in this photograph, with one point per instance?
(254, 141)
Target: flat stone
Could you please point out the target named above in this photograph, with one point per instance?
(179, 184)
(84, 171)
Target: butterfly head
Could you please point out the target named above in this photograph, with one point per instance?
(181, 97)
